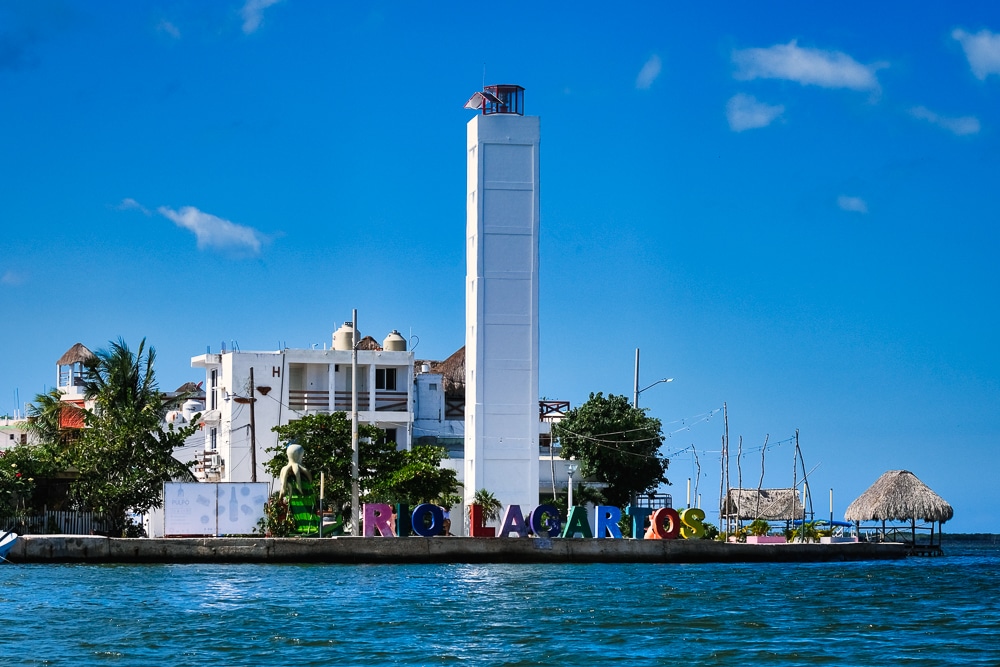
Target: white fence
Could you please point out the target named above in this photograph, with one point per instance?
(52, 522)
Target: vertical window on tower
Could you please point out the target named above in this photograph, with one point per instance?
(385, 379)
(213, 439)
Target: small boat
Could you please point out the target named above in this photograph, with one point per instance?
(7, 541)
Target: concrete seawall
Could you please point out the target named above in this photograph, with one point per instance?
(93, 549)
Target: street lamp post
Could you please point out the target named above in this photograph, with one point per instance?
(637, 391)
(635, 398)
(570, 469)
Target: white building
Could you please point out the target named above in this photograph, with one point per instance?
(274, 388)
(13, 432)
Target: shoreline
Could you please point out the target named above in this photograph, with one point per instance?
(421, 550)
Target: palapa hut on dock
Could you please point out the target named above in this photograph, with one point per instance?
(768, 504)
(899, 496)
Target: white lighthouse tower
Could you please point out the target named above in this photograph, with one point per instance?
(501, 301)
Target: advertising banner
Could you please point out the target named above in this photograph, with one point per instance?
(202, 509)
(240, 507)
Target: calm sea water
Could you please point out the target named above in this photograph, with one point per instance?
(926, 611)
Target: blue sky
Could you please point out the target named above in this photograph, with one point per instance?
(790, 210)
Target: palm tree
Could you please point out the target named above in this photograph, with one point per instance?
(488, 502)
(125, 455)
(124, 383)
(45, 418)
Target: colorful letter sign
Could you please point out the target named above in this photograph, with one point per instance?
(427, 520)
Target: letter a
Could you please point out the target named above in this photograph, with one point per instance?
(513, 520)
(577, 523)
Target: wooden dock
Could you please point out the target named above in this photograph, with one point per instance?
(924, 550)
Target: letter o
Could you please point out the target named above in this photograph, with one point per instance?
(420, 513)
(660, 518)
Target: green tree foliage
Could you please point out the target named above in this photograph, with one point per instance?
(490, 504)
(384, 473)
(20, 469)
(421, 479)
(615, 443)
(277, 520)
(124, 455)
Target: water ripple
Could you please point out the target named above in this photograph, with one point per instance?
(916, 612)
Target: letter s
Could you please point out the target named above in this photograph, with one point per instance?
(691, 526)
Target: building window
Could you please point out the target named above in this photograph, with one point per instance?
(385, 378)
(213, 440)
(432, 386)
(213, 389)
(389, 435)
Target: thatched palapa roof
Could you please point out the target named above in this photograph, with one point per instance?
(767, 504)
(369, 343)
(452, 371)
(899, 496)
(75, 355)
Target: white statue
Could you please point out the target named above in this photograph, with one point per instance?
(295, 469)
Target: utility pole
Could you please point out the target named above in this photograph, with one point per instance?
(635, 392)
(355, 491)
(253, 433)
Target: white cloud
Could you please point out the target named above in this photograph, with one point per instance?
(169, 28)
(982, 50)
(828, 69)
(253, 13)
(649, 72)
(11, 278)
(746, 112)
(961, 125)
(853, 204)
(214, 232)
(129, 204)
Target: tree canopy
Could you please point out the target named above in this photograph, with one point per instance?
(421, 479)
(21, 468)
(614, 443)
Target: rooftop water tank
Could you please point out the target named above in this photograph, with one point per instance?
(190, 408)
(394, 342)
(343, 338)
